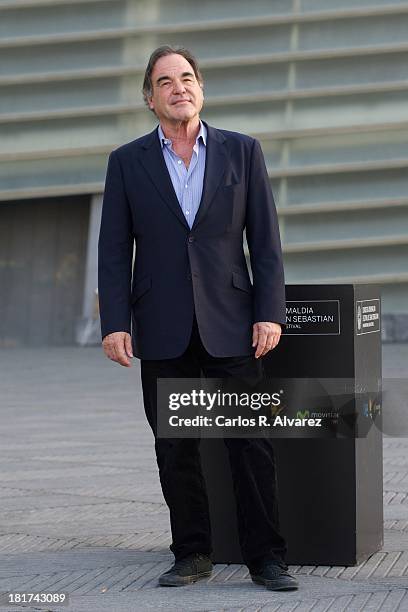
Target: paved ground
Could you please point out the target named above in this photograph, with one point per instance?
(82, 509)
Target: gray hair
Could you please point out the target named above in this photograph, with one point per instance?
(162, 51)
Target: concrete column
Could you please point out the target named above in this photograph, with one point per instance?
(88, 331)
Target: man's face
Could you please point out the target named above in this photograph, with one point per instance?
(177, 95)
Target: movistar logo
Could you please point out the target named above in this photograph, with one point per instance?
(302, 415)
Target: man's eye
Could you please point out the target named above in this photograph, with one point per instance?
(164, 83)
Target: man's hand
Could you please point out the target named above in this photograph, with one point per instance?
(265, 337)
(118, 347)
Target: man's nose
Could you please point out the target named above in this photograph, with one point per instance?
(178, 86)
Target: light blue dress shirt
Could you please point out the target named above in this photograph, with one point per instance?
(187, 182)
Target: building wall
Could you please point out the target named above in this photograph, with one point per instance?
(43, 243)
(323, 84)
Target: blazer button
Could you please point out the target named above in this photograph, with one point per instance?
(189, 276)
(191, 238)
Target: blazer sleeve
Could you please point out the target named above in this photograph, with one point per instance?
(115, 253)
(262, 233)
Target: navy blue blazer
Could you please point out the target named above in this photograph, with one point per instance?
(177, 269)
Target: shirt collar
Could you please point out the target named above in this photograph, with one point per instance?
(166, 141)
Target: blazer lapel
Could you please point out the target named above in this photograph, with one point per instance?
(215, 165)
(154, 164)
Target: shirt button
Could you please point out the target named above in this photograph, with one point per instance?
(186, 186)
(187, 212)
(179, 161)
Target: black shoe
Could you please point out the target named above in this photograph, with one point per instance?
(187, 570)
(275, 577)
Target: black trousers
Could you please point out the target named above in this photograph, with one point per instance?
(252, 464)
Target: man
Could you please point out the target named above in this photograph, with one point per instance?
(185, 193)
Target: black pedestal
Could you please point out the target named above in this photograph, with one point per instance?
(330, 490)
